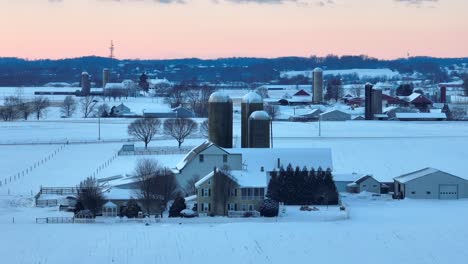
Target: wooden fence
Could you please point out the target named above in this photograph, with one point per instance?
(55, 220)
(46, 203)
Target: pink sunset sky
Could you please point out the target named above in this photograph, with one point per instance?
(148, 29)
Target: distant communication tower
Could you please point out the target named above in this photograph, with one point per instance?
(111, 48)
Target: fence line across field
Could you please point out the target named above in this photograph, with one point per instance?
(24, 172)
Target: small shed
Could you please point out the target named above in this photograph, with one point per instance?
(109, 209)
(368, 184)
(335, 115)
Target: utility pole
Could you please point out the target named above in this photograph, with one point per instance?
(111, 55)
(320, 125)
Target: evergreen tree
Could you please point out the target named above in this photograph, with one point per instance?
(290, 186)
(269, 208)
(301, 185)
(143, 82)
(273, 191)
(132, 209)
(329, 184)
(177, 206)
(282, 184)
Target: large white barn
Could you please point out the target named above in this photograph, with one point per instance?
(430, 183)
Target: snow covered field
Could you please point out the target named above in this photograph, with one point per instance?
(378, 231)
(384, 149)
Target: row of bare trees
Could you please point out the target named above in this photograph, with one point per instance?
(16, 107)
(195, 97)
(87, 105)
(145, 129)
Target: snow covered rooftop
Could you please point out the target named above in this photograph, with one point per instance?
(252, 97)
(420, 115)
(351, 177)
(414, 175)
(114, 86)
(420, 173)
(268, 158)
(193, 153)
(243, 178)
(109, 204)
(119, 194)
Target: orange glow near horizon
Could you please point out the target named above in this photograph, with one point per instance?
(143, 29)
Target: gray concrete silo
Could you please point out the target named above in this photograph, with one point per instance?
(259, 130)
(251, 102)
(105, 77)
(318, 85)
(85, 84)
(220, 119)
(376, 101)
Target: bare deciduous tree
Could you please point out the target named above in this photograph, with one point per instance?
(198, 99)
(90, 195)
(189, 187)
(103, 110)
(177, 95)
(272, 110)
(88, 104)
(144, 129)
(222, 189)
(263, 92)
(25, 109)
(39, 105)
(179, 128)
(9, 111)
(68, 106)
(157, 185)
(146, 171)
(204, 129)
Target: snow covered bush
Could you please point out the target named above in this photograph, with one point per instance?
(269, 208)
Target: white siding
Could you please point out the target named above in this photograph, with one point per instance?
(370, 185)
(212, 157)
(428, 187)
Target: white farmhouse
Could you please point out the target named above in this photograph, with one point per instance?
(201, 160)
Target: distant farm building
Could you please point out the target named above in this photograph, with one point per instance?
(430, 183)
(335, 115)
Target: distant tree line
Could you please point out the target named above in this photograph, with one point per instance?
(16, 107)
(296, 186)
(19, 72)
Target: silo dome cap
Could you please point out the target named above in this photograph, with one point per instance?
(260, 115)
(252, 97)
(219, 97)
(318, 69)
(84, 73)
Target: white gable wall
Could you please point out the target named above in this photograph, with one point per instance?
(212, 157)
(370, 185)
